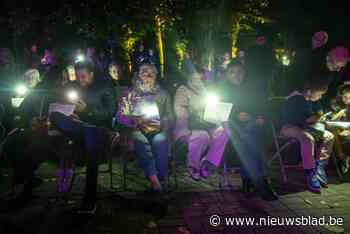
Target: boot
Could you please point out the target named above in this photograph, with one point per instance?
(312, 181)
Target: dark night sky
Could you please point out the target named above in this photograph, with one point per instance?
(328, 15)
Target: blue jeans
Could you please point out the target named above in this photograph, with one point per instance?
(247, 140)
(91, 137)
(152, 153)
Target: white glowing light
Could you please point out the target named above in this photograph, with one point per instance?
(212, 99)
(80, 58)
(72, 95)
(150, 111)
(285, 60)
(21, 90)
(340, 124)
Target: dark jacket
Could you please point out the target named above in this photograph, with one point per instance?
(34, 104)
(101, 104)
(296, 110)
(243, 98)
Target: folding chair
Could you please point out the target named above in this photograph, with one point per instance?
(108, 156)
(281, 143)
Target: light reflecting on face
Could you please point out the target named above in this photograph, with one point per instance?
(236, 75)
(113, 72)
(148, 75)
(346, 98)
(147, 72)
(227, 56)
(84, 77)
(71, 73)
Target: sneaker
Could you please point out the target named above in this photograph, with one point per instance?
(194, 174)
(321, 173)
(312, 182)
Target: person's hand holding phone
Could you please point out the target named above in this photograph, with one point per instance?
(154, 123)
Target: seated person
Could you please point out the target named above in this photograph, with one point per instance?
(94, 109)
(34, 96)
(191, 128)
(94, 106)
(246, 129)
(342, 135)
(299, 120)
(147, 114)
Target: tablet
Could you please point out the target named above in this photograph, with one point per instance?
(339, 124)
(66, 109)
(16, 102)
(218, 113)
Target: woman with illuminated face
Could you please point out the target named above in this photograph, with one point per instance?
(147, 113)
(199, 135)
(68, 75)
(114, 73)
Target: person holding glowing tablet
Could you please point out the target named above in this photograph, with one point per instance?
(191, 104)
(92, 113)
(146, 114)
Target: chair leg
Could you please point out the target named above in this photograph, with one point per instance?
(283, 169)
(110, 169)
(74, 151)
(279, 156)
(226, 184)
(124, 171)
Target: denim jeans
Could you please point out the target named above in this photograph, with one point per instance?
(90, 136)
(247, 140)
(152, 153)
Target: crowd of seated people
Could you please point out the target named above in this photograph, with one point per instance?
(153, 120)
